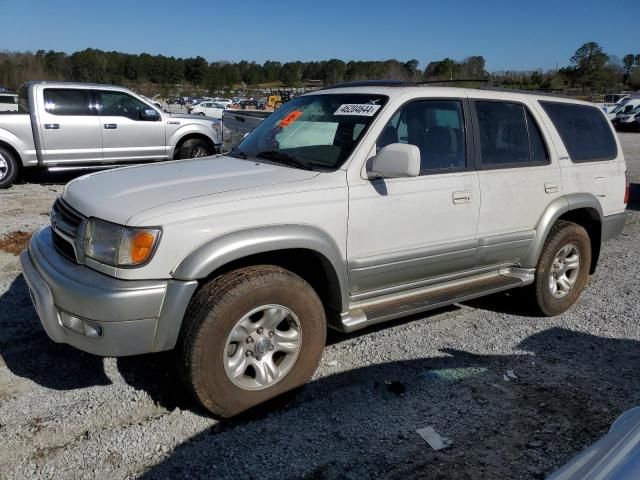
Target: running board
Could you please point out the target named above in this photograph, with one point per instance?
(388, 307)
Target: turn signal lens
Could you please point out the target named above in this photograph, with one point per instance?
(137, 246)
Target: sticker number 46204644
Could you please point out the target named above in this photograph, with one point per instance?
(360, 109)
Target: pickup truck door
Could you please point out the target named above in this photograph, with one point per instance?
(403, 231)
(126, 135)
(69, 126)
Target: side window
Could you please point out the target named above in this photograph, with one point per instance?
(509, 136)
(118, 104)
(584, 130)
(536, 144)
(436, 127)
(68, 101)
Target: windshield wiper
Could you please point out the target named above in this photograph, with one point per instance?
(235, 152)
(284, 158)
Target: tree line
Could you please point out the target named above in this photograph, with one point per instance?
(591, 70)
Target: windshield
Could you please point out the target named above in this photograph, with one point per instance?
(315, 131)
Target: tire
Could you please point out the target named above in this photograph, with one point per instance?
(9, 168)
(201, 114)
(566, 239)
(194, 148)
(206, 347)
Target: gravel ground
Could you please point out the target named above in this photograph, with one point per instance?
(66, 414)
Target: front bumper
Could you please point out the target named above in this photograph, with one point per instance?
(109, 316)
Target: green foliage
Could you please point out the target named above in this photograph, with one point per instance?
(590, 69)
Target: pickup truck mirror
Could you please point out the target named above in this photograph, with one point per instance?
(396, 160)
(149, 114)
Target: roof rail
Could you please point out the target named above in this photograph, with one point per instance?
(371, 83)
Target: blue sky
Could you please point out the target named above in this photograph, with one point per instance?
(509, 34)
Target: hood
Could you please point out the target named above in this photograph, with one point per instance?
(193, 117)
(117, 195)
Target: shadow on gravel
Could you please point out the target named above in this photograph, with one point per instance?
(28, 352)
(353, 425)
(44, 177)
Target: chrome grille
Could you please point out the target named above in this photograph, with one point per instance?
(65, 219)
(66, 225)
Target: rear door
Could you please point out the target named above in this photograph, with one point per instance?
(126, 136)
(519, 177)
(69, 125)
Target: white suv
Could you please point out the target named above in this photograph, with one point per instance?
(346, 207)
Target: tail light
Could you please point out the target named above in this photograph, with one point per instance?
(626, 188)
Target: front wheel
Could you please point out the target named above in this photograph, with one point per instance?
(249, 336)
(194, 148)
(563, 269)
(8, 168)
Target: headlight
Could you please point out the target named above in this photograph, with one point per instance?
(119, 246)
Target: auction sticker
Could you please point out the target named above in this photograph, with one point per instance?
(360, 109)
(290, 118)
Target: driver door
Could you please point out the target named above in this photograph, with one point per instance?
(126, 136)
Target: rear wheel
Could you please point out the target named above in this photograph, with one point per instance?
(249, 336)
(194, 148)
(563, 269)
(8, 168)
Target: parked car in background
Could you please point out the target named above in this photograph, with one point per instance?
(628, 121)
(623, 108)
(64, 125)
(8, 102)
(209, 109)
(348, 207)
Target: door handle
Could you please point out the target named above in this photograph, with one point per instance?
(110, 126)
(52, 126)
(462, 197)
(551, 187)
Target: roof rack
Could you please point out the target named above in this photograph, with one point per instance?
(486, 85)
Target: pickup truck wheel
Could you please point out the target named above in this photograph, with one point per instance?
(194, 148)
(8, 168)
(249, 336)
(563, 269)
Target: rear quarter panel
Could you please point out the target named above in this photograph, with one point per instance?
(604, 179)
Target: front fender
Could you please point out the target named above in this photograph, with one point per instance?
(193, 128)
(209, 257)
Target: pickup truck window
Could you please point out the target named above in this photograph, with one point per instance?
(320, 131)
(436, 127)
(584, 130)
(509, 137)
(68, 101)
(118, 104)
(23, 99)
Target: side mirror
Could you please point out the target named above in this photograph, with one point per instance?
(396, 160)
(149, 114)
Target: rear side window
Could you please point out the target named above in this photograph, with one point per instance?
(67, 101)
(584, 130)
(509, 136)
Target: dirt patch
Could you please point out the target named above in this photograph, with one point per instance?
(15, 242)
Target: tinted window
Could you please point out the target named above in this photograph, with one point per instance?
(67, 101)
(536, 144)
(23, 99)
(117, 104)
(584, 130)
(12, 99)
(503, 133)
(436, 127)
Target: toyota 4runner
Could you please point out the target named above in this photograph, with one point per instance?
(346, 207)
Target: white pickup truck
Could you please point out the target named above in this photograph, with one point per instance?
(347, 207)
(62, 125)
